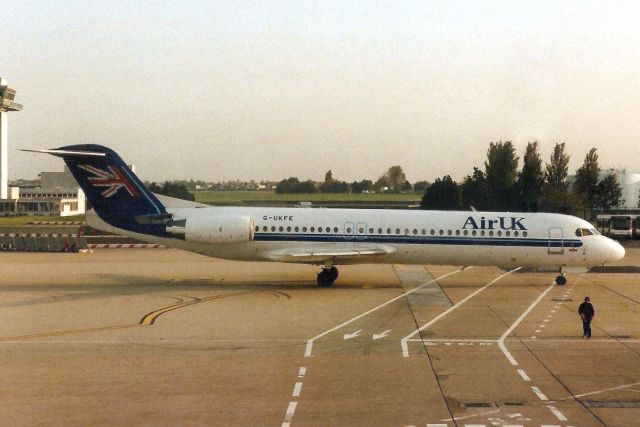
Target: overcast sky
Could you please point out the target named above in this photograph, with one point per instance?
(268, 90)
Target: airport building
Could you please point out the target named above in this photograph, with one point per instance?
(58, 195)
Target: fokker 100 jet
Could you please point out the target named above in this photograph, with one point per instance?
(329, 237)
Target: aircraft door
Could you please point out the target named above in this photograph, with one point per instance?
(555, 244)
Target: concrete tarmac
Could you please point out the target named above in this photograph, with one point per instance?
(164, 337)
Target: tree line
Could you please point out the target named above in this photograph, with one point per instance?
(393, 181)
(500, 186)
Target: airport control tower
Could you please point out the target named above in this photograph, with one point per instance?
(7, 95)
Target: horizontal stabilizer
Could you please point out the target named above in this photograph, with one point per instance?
(65, 153)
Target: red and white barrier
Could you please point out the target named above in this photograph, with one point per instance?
(38, 235)
(125, 246)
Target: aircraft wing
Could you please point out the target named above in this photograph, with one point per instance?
(319, 254)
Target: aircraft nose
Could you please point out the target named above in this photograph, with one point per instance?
(617, 251)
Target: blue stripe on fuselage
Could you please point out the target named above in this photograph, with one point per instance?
(418, 240)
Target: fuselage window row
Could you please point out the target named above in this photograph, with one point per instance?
(407, 232)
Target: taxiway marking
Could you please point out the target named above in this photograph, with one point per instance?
(508, 332)
(150, 318)
(70, 332)
(524, 375)
(352, 335)
(309, 348)
(291, 409)
(296, 389)
(559, 415)
(404, 341)
(381, 335)
(538, 393)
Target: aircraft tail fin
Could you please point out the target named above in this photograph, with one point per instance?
(116, 194)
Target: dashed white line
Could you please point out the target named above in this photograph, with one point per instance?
(506, 352)
(302, 371)
(296, 389)
(538, 393)
(559, 415)
(291, 409)
(309, 347)
(524, 375)
(403, 341)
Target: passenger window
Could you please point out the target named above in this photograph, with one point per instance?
(312, 229)
(441, 232)
(348, 230)
(474, 232)
(397, 231)
(265, 228)
(388, 231)
(257, 228)
(288, 229)
(433, 231)
(499, 233)
(525, 234)
(465, 232)
(424, 231)
(406, 231)
(515, 233)
(304, 229)
(482, 233)
(490, 232)
(371, 231)
(297, 229)
(281, 228)
(273, 228)
(415, 231)
(379, 230)
(335, 229)
(449, 232)
(319, 229)
(457, 232)
(507, 233)
(361, 230)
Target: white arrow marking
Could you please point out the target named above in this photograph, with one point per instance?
(352, 335)
(382, 335)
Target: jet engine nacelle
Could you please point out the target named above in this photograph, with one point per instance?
(219, 229)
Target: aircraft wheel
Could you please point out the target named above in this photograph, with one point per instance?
(333, 273)
(327, 276)
(561, 280)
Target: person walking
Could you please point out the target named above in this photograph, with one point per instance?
(586, 313)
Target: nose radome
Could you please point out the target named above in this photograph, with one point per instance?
(617, 251)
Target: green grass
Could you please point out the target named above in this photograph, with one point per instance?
(241, 197)
(25, 220)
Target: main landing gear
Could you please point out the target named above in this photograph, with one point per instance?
(327, 276)
(561, 280)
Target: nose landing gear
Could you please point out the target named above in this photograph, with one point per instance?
(561, 280)
(327, 276)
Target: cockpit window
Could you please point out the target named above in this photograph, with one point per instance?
(580, 232)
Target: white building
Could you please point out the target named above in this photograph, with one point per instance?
(58, 195)
(630, 183)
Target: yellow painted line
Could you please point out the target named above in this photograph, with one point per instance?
(73, 331)
(150, 318)
(145, 321)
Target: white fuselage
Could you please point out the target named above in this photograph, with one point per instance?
(407, 237)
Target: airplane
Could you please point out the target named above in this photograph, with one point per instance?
(121, 204)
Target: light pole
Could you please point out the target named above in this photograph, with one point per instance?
(7, 95)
